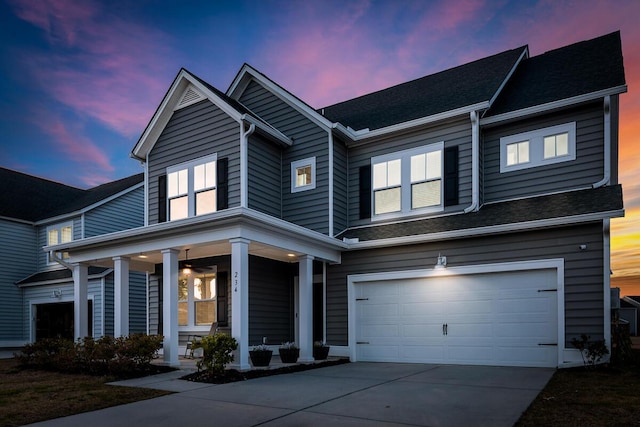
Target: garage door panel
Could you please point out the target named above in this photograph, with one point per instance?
(492, 319)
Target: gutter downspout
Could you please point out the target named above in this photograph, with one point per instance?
(244, 166)
(475, 163)
(331, 183)
(60, 261)
(607, 144)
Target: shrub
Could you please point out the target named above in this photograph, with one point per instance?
(591, 351)
(123, 356)
(217, 351)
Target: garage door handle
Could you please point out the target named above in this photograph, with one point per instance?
(547, 343)
(362, 342)
(445, 329)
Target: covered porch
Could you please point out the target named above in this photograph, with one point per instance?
(238, 234)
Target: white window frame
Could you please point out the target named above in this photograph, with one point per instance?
(295, 165)
(191, 300)
(405, 182)
(191, 192)
(58, 227)
(536, 147)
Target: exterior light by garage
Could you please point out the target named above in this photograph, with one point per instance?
(442, 262)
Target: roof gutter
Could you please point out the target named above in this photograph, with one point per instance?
(607, 144)
(475, 162)
(60, 261)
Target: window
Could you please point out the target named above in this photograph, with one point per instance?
(197, 297)
(303, 175)
(191, 188)
(408, 182)
(59, 233)
(550, 145)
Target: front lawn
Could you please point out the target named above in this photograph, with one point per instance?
(28, 396)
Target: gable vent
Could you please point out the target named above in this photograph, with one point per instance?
(190, 96)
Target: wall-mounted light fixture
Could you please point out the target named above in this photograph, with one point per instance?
(442, 262)
(56, 293)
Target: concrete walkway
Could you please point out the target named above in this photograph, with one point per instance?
(355, 394)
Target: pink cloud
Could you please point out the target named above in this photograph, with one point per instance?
(102, 66)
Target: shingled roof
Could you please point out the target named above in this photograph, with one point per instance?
(581, 202)
(578, 69)
(458, 87)
(31, 198)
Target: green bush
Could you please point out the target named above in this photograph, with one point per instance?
(218, 352)
(123, 356)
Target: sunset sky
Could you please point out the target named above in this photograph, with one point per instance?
(81, 79)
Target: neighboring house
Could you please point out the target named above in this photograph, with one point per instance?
(462, 217)
(36, 287)
(628, 311)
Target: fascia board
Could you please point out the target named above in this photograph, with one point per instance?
(283, 94)
(362, 137)
(66, 280)
(18, 220)
(273, 132)
(525, 54)
(87, 208)
(165, 111)
(482, 231)
(542, 108)
(227, 224)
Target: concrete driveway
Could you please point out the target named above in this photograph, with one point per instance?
(355, 394)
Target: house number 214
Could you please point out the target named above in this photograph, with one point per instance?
(235, 281)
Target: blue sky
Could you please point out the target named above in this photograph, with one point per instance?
(81, 79)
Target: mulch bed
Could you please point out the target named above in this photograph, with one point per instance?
(233, 375)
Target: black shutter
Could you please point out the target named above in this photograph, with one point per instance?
(221, 299)
(222, 193)
(451, 176)
(162, 198)
(365, 192)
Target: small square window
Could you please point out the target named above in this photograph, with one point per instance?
(518, 153)
(303, 175)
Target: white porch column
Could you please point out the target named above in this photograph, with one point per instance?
(121, 296)
(170, 306)
(305, 310)
(80, 301)
(240, 300)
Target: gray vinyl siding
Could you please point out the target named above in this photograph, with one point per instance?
(615, 133)
(137, 302)
(265, 176)
(340, 186)
(453, 133)
(17, 261)
(124, 212)
(584, 300)
(109, 327)
(43, 257)
(154, 305)
(270, 301)
(193, 132)
(306, 208)
(586, 169)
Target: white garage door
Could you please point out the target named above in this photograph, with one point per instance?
(500, 319)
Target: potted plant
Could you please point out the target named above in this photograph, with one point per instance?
(320, 350)
(260, 355)
(289, 352)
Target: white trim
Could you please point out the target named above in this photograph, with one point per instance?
(295, 165)
(68, 280)
(248, 72)
(535, 139)
(195, 99)
(479, 231)
(331, 182)
(189, 166)
(146, 190)
(475, 163)
(544, 264)
(18, 220)
(523, 55)
(58, 227)
(543, 108)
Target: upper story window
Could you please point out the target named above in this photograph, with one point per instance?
(191, 188)
(59, 233)
(550, 145)
(408, 182)
(303, 175)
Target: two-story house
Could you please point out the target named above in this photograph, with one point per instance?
(462, 217)
(37, 287)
